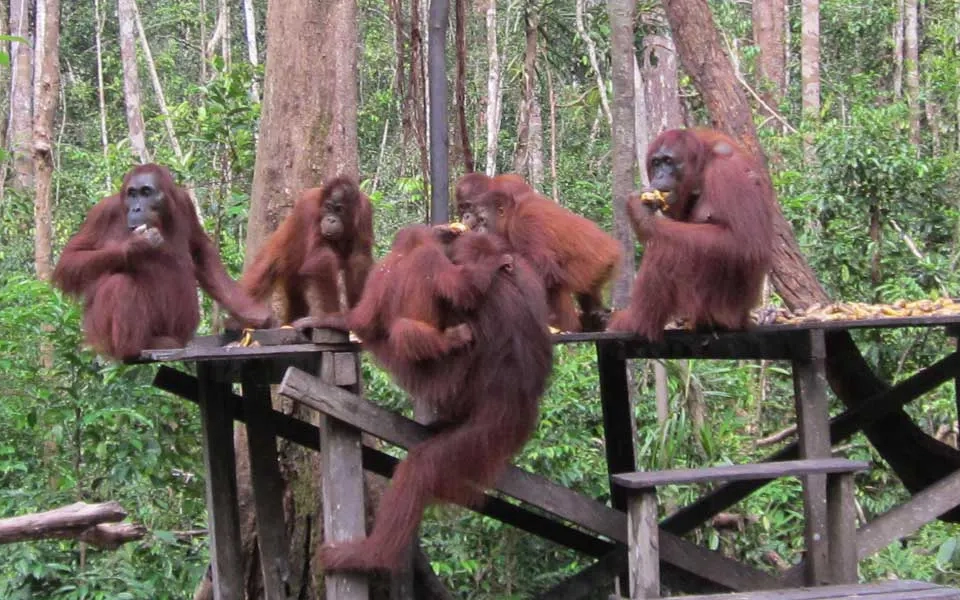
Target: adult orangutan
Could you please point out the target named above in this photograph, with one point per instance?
(329, 229)
(706, 255)
(485, 393)
(136, 262)
(571, 253)
(472, 185)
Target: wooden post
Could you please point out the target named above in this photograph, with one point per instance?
(222, 507)
(842, 527)
(644, 540)
(439, 138)
(618, 424)
(810, 397)
(267, 482)
(342, 479)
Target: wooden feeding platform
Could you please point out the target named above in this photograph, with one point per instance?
(320, 370)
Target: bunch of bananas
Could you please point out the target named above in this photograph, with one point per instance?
(854, 311)
(655, 198)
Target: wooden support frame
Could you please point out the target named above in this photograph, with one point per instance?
(221, 467)
(267, 485)
(810, 397)
(644, 544)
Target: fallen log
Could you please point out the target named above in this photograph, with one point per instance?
(94, 524)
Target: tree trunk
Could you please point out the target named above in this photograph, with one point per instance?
(911, 65)
(528, 158)
(641, 118)
(4, 87)
(126, 13)
(768, 28)
(250, 23)
(552, 99)
(461, 84)
(661, 84)
(623, 138)
(20, 130)
(898, 50)
(494, 89)
(810, 58)
(46, 79)
(918, 459)
(104, 141)
(157, 87)
(594, 63)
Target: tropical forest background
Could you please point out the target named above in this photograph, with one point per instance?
(856, 104)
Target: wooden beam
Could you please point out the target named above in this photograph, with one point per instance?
(644, 546)
(906, 518)
(619, 429)
(585, 584)
(765, 471)
(813, 428)
(267, 483)
(842, 527)
(841, 428)
(888, 590)
(222, 505)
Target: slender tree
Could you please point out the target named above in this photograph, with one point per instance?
(157, 86)
(768, 29)
(126, 13)
(528, 158)
(98, 43)
(810, 57)
(494, 89)
(592, 56)
(20, 128)
(250, 26)
(911, 65)
(46, 90)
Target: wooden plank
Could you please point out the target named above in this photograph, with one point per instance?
(756, 471)
(619, 429)
(906, 518)
(342, 492)
(222, 507)
(644, 544)
(527, 487)
(201, 354)
(888, 590)
(812, 405)
(585, 584)
(267, 485)
(841, 428)
(308, 436)
(842, 527)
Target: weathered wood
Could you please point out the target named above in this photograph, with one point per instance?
(750, 472)
(267, 485)
(619, 429)
(95, 524)
(222, 507)
(341, 484)
(841, 428)
(888, 590)
(403, 432)
(644, 544)
(842, 527)
(813, 427)
(308, 436)
(202, 354)
(906, 518)
(530, 488)
(585, 584)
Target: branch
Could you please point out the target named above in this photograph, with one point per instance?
(776, 437)
(95, 524)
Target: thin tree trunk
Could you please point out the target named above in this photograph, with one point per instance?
(661, 83)
(932, 113)
(4, 82)
(126, 11)
(250, 23)
(768, 28)
(592, 56)
(623, 138)
(553, 136)
(911, 65)
(20, 130)
(157, 87)
(493, 89)
(528, 158)
(641, 116)
(898, 50)
(461, 83)
(203, 38)
(104, 141)
(46, 80)
(810, 58)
